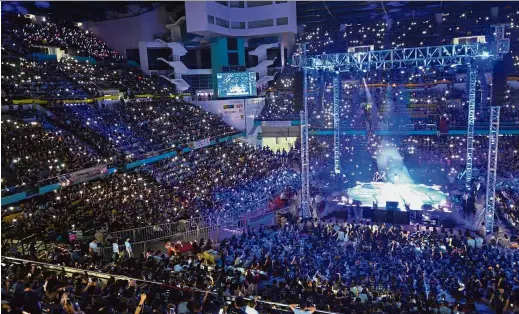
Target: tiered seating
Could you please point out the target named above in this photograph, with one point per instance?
(28, 79)
(96, 77)
(31, 153)
(62, 35)
(224, 182)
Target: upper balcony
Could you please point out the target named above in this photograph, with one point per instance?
(241, 18)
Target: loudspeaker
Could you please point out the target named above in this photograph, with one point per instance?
(391, 205)
(427, 207)
(498, 83)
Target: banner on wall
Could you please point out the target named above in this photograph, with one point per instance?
(83, 175)
(236, 110)
(276, 123)
(202, 143)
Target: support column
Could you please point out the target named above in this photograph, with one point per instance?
(282, 52)
(336, 123)
(470, 128)
(491, 168)
(305, 167)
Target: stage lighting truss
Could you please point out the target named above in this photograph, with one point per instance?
(305, 170)
(336, 123)
(441, 56)
(492, 168)
(470, 126)
(447, 55)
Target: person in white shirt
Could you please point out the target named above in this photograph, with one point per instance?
(115, 248)
(128, 247)
(92, 248)
(471, 243)
(363, 296)
(479, 242)
(444, 309)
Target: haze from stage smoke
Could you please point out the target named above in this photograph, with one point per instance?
(391, 161)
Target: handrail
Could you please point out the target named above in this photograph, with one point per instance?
(212, 232)
(122, 277)
(142, 234)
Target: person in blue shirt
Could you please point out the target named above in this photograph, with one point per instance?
(303, 308)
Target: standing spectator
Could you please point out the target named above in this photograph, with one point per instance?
(128, 247)
(93, 249)
(115, 248)
(32, 301)
(304, 308)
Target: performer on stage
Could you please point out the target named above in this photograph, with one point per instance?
(376, 177)
(396, 179)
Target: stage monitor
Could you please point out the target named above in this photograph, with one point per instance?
(236, 84)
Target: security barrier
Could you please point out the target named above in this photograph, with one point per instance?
(195, 234)
(155, 232)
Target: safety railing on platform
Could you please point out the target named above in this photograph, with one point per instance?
(106, 276)
(212, 232)
(191, 230)
(161, 231)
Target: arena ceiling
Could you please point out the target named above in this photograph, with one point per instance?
(88, 10)
(328, 12)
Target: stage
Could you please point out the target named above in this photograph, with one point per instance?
(416, 195)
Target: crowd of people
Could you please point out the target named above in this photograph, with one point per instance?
(69, 79)
(220, 183)
(345, 267)
(30, 32)
(112, 76)
(392, 103)
(412, 30)
(32, 153)
(76, 136)
(352, 268)
(26, 76)
(224, 183)
(139, 127)
(443, 91)
(23, 79)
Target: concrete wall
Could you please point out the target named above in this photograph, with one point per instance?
(238, 113)
(197, 22)
(126, 33)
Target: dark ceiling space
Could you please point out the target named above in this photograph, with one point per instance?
(311, 12)
(88, 10)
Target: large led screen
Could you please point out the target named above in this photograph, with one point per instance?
(236, 84)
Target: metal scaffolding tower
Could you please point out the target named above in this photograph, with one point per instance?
(492, 167)
(446, 55)
(336, 124)
(470, 128)
(500, 46)
(305, 166)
